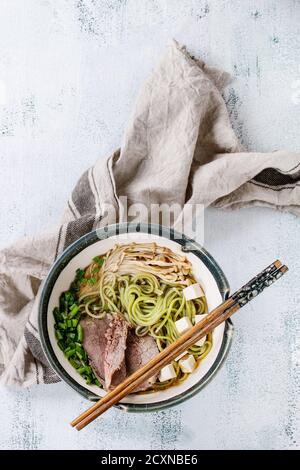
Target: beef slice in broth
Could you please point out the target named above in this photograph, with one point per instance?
(114, 358)
(94, 342)
(140, 350)
(114, 351)
(103, 342)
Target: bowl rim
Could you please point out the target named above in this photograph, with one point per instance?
(187, 244)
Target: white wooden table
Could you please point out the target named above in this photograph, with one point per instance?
(69, 74)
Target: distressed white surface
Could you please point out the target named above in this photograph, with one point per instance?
(69, 73)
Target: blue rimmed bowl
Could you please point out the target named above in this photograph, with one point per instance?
(80, 254)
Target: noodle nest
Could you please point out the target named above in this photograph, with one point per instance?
(144, 283)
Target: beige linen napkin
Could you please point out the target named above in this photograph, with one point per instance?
(179, 147)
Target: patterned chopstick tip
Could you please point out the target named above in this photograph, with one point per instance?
(254, 287)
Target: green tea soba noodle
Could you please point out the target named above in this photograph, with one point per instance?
(144, 283)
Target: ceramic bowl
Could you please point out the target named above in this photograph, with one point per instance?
(80, 254)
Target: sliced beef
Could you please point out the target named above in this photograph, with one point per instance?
(104, 341)
(140, 350)
(94, 342)
(114, 351)
(114, 358)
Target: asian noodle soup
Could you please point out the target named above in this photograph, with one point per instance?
(143, 285)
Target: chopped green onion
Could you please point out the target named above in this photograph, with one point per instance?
(61, 345)
(98, 260)
(79, 274)
(74, 310)
(58, 334)
(69, 297)
(78, 354)
(57, 315)
(74, 362)
(79, 333)
(69, 353)
(68, 331)
(81, 354)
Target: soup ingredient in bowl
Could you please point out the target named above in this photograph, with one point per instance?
(194, 291)
(114, 355)
(167, 373)
(187, 364)
(114, 351)
(183, 324)
(100, 336)
(140, 350)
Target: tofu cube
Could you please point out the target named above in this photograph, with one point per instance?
(187, 364)
(181, 355)
(193, 291)
(167, 373)
(200, 317)
(197, 319)
(183, 324)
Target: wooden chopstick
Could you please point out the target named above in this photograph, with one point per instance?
(254, 287)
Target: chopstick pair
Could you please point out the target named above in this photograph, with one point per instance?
(236, 301)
